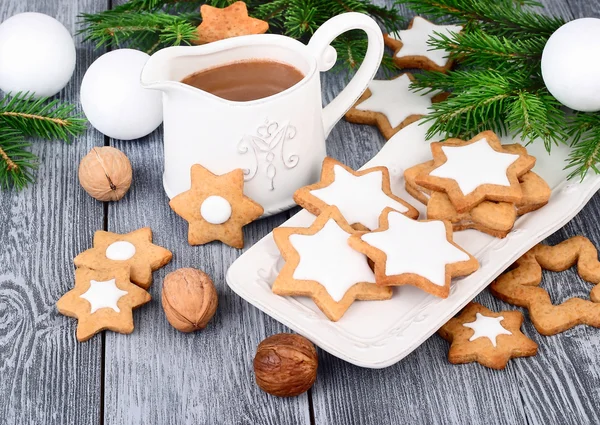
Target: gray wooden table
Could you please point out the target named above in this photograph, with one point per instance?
(160, 376)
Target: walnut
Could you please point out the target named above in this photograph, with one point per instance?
(105, 173)
(285, 365)
(189, 299)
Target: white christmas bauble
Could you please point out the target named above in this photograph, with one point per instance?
(37, 55)
(113, 99)
(571, 64)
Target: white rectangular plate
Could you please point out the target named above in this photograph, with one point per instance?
(377, 334)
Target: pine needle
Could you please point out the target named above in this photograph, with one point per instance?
(16, 162)
(41, 118)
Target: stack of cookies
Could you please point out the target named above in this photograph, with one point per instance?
(478, 184)
(111, 280)
(360, 223)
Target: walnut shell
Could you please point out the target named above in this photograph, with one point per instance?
(105, 173)
(285, 365)
(189, 299)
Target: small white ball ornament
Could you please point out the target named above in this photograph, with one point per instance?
(113, 99)
(571, 64)
(37, 55)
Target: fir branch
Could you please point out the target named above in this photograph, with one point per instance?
(40, 118)
(142, 30)
(584, 129)
(492, 100)
(500, 17)
(16, 162)
(478, 49)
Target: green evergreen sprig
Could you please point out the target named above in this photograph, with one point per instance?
(16, 161)
(498, 83)
(21, 115)
(149, 25)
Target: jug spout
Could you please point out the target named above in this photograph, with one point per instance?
(157, 73)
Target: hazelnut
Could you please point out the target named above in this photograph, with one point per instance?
(105, 173)
(285, 365)
(189, 299)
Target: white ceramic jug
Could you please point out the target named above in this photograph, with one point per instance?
(279, 141)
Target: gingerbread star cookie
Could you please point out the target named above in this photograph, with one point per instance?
(491, 339)
(411, 48)
(134, 250)
(391, 105)
(231, 21)
(520, 285)
(320, 264)
(475, 171)
(216, 208)
(360, 196)
(102, 299)
(411, 252)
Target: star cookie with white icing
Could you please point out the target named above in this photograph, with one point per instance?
(215, 207)
(410, 252)
(475, 171)
(489, 338)
(411, 48)
(134, 249)
(391, 105)
(320, 264)
(360, 196)
(101, 300)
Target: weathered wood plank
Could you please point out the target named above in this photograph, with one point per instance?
(46, 376)
(159, 375)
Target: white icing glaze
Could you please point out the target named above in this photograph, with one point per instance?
(120, 251)
(326, 257)
(103, 295)
(414, 40)
(475, 164)
(418, 247)
(487, 327)
(393, 99)
(215, 209)
(359, 199)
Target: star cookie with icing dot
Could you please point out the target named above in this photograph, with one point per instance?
(410, 252)
(411, 49)
(391, 105)
(489, 338)
(134, 250)
(475, 171)
(320, 264)
(360, 196)
(101, 300)
(521, 285)
(231, 21)
(216, 208)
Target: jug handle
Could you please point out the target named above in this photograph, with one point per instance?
(326, 57)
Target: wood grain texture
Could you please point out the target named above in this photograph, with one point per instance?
(46, 376)
(158, 375)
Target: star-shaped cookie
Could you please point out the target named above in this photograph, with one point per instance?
(360, 196)
(520, 285)
(411, 48)
(320, 264)
(231, 21)
(491, 339)
(411, 252)
(391, 105)
(475, 171)
(102, 299)
(134, 250)
(216, 208)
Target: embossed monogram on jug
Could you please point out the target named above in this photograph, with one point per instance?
(268, 148)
